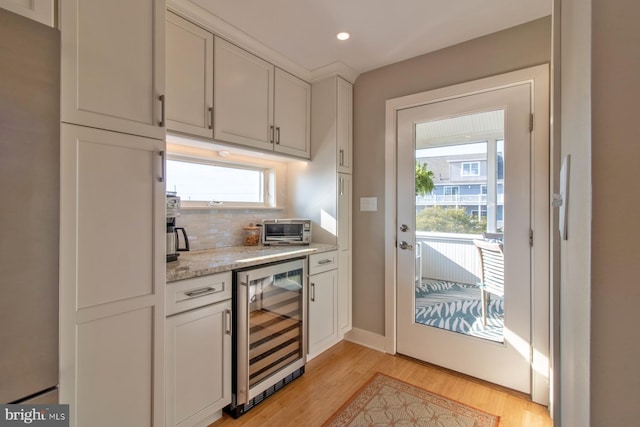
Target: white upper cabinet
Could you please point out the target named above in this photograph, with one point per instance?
(38, 10)
(344, 127)
(189, 77)
(113, 65)
(292, 115)
(243, 97)
(257, 105)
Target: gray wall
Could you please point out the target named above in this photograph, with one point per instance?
(597, 97)
(615, 230)
(512, 49)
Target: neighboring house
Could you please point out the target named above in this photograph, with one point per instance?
(461, 182)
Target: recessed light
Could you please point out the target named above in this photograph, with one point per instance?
(343, 36)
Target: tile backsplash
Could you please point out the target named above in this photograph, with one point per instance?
(218, 228)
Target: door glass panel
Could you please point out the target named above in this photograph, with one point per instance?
(460, 206)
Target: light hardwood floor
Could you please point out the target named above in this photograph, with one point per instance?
(334, 376)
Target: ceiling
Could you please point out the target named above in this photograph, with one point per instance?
(382, 31)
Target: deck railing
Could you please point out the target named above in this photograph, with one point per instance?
(449, 256)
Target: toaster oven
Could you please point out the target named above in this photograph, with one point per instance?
(295, 231)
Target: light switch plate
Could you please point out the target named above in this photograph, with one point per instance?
(368, 204)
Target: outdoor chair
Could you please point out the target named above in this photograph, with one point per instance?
(491, 272)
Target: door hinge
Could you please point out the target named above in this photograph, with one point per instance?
(530, 237)
(531, 122)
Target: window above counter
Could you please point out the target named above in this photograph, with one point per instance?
(204, 182)
(215, 176)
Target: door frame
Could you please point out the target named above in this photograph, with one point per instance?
(538, 77)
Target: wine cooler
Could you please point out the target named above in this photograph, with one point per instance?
(270, 341)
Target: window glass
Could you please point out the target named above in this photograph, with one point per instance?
(211, 182)
(470, 168)
(451, 191)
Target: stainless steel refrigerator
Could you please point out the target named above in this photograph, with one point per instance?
(29, 209)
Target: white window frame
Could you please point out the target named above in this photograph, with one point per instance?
(462, 171)
(268, 184)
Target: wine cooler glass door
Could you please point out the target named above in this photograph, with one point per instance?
(273, 338)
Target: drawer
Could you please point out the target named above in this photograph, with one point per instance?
(188, 294)
(325, 261)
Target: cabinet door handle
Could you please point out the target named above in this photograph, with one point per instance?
(313, 292)
(162, 166)
(227, 321)
(272, 133)
(341, 157)
(210, 118)
(278, 135)
(201, 292)
(162, 109)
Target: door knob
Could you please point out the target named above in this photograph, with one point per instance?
(404, 245)
(404, 228)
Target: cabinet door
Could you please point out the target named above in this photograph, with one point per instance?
(344, 125)
(344, 292)
(323, 314)
(345, 205)
(189, 77)
(198, 365)
(292, 115)
(113, 65)
(243, 97)
(112, 273)
(38, 10)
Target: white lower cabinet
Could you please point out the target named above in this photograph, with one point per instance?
(198, 365)
(198, 350)
(322, 303)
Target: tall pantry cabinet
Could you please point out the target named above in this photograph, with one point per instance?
(112, 268)
(322, 188)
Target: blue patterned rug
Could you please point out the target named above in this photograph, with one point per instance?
(456, 307)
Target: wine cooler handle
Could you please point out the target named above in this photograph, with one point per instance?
(242, 334)
(227, 321)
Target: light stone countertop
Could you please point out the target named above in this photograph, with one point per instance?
(210, 261)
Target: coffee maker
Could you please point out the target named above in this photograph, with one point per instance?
(173, 243)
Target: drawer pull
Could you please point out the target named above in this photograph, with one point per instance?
(201, 292)
(325, 261)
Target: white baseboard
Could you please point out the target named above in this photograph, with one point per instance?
(366, 338)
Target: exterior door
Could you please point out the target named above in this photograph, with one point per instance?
(464, 177)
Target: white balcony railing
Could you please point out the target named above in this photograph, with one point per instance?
(456, 199)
